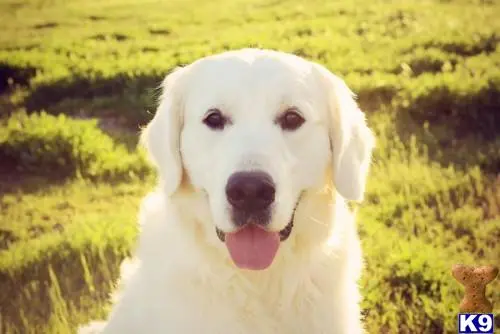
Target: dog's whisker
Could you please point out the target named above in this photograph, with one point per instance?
(317, 221)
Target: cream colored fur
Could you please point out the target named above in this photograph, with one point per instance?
(182, 279)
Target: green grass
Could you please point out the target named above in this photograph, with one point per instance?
(79, 78)
(68, 147)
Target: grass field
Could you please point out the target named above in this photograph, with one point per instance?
(78, 79)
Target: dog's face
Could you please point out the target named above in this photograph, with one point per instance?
(253, 130)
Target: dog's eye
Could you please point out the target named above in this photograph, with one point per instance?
(290, 120)
(215, 120)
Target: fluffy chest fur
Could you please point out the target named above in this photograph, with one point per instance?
(173, 287)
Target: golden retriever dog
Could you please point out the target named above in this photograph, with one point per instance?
(248, 231)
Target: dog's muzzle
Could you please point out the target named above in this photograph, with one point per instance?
(284, 233)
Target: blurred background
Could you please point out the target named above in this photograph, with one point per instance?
(79, 78)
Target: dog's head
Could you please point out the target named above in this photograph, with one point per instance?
(252, 130)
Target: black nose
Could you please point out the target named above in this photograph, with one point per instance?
(250, 191)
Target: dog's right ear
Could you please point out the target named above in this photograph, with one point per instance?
(161, 137)
(351, 140)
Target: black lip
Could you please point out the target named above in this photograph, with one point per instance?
(284, 233)
(220, 234)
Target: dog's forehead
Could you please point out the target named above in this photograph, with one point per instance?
(237, 79)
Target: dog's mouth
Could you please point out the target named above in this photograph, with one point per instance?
(253, 246)
(283, 234)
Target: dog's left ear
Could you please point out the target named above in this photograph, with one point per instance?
(351, 140)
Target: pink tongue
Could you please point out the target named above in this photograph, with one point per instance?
(252, 247)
